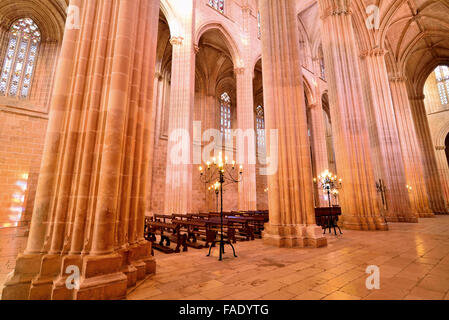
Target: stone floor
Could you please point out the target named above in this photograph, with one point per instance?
(413, 261)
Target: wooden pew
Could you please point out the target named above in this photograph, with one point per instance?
(195, 230)
(164, 218)
(255, 224)
(168, 232)
(236, 223)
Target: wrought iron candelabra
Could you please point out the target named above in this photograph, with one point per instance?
(224, 173)
(330, 185)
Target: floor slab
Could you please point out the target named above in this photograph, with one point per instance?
(413, 260)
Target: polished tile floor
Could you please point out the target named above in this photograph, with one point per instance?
(413, 260)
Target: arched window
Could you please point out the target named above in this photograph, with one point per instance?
(225, 104)
(323, 69)
(260, 126)
(442, 75)
(322, 65)
(20, 59)
(217, 5)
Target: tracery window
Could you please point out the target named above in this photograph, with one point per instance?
(260, 126)
(322, 69)
(20, 60)
(442, 75)
(225, 104)
(217, 5)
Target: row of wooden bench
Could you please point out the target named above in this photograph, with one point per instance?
(202, 229)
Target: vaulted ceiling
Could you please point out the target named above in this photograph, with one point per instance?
(214, 66)
(416, 35)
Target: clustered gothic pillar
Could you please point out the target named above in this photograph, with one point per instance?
(292, 214)
(246, 153)
(443, 169)
(90, 201)
(387, 148)
(410, 148)
(349, 119)
(434, 186)
(319, 143)
(178, 189)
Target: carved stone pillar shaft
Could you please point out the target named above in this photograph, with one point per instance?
(411, 152)
(434, 186)
(318, 133)
(90, 203)
(349, 121)
(386, 146)
(178, 189)
(292, 214)
(246, 147)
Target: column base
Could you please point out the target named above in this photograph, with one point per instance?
(102, 279)
(18, 283)
(364, 223)
(426, 215)
(404, 219)
(294, 236)
(39, 277)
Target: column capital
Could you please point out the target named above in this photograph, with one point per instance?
(246, 9)
(397, 77)
(239, 71)
(176, 40)
(440, 148)
(196, 49)
(158, 75)
(334, 8)
(373, 52)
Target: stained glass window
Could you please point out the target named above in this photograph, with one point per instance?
(442, 75)
(225, 104)
(217, 5)
(260, 126)
(20, 59)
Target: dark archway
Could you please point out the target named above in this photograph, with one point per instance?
(446, 144)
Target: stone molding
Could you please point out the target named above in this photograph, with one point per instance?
(176, 40)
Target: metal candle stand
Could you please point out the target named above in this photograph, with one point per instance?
(224, 172)
(330, 184)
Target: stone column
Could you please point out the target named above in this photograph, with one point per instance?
(387, 147)
(358, 197)
(178, 189)
(246, 152)
(246, 148)
(435, 188)
(158, 95)
(443, 169)
(90, 201)
(411, 152)
(292, 215)
(318, 132)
